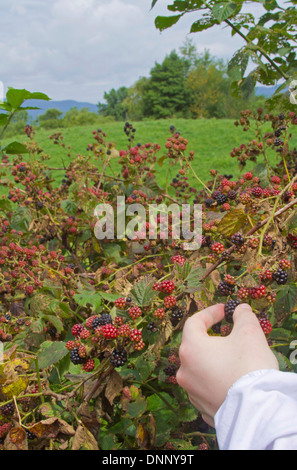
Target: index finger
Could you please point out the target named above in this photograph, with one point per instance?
(201, 321)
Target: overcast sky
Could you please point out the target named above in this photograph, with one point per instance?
(78, 49)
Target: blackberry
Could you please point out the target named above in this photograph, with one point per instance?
(152, 327)
(280, 276)
(170, 370)
(230, 306)
(226, 289)
(277, 142)
(118, 357)
(30, 435)
(104, 319)
(176, 316)
(210, 202)
(8, 409)
(232, 195)
(237, 239)
(75, 357)
(221, 199)
(217, 328)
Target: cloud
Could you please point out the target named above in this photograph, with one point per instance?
(77, 49)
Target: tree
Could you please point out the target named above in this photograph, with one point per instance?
(82, 117)
(134, 103)
(50, 119)
(165, 94)
(114, 104)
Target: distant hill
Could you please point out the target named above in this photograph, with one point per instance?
(66, 105)
(63, 106)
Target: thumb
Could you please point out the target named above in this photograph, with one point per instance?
(244, 318)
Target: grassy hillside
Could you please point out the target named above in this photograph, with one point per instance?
(211, 139)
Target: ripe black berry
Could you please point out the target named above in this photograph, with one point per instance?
(226, 289)
(230, 306)
(280, 276)
(170, 370)
(118, 357)
(176, 316)
(209, 202)
(237, 239)
(8, 409)
(75, 358)
(104, 319)
(221, 199)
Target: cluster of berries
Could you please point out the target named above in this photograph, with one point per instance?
(100, 333)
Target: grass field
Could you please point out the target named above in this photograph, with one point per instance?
(211, 139)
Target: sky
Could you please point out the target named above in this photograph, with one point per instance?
(79, 49)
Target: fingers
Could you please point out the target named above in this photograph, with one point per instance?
(244, 317)
(202, 321)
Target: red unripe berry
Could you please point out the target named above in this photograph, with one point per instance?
(159, 313)
(135, 312)
(135, 335)
(265, 325)
(109, 331)
(70, 345)
(169, 301)
(120, 303)
(89, 365)
(76, 330)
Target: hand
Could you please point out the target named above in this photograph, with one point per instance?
(211, 364)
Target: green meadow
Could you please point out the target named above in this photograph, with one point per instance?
(211, 139)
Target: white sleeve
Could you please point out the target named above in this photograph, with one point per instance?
(259, 413)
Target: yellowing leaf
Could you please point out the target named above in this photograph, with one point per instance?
(232, 222)
(15, 388)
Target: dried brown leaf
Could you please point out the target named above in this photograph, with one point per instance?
(16, 439)
(84, 439)
(114, 386)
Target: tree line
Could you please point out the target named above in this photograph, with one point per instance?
(185, 85)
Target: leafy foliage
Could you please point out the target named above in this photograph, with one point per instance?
(91, 327)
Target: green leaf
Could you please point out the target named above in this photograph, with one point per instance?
(283, 362)
(55, 321)
(87, 297)
(286, 299)
(113, 252)
(164, 22)
(202, 25)
(153, 3)
(16, 97)
(192, 281)
(51, 353)
(137, 408)
(223, 11)
(238, 64)
(3, 119)
(6, 205)
(142, 293)
(69, 207)
(15, 148)
(21, 219)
